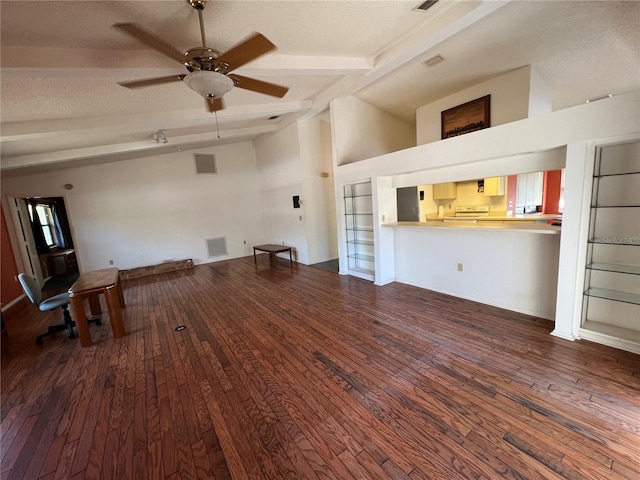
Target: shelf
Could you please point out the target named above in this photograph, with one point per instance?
(611, 335)
(361, 256)
(625, 241)
(614, 295)
(358, 196)
(615, 174)
(615, 206)
(612, 267)
(365, 271)
(365, 214)
(359, 229)
(361, 242)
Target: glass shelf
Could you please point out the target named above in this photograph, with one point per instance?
(361, 242)
(615, 206)
(358, 196)
(614, 295)
(360, 229)
(628, 241)
(349, 214)
(361, 256)
(615, 174)
(613, 267)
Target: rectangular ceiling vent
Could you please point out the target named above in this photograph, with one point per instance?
(424, 6)
(216, 247)
(433, 61)
(205, 163)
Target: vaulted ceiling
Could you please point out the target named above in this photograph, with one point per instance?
(61, 62)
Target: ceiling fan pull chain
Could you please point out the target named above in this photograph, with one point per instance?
(217, 128)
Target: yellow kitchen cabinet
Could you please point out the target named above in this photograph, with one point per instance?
(494, 186)
(442, 191)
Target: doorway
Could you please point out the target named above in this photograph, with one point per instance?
(45, 243)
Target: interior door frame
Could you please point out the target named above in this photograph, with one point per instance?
(25, 252)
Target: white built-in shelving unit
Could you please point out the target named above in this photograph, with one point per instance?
(611, 300)
(358, 211)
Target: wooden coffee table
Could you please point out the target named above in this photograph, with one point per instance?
(90, 285)
(272, 250)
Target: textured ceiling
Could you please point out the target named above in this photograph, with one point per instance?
(61, 61)
(581, 49)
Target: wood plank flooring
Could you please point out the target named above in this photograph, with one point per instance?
(299, 373)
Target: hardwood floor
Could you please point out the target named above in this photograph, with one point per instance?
(299, 373)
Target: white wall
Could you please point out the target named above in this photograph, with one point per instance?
(361, 131)
(145, 211)
(503, 150)
(499, 268)
(510, 101)
(280, 170)
(318, 191)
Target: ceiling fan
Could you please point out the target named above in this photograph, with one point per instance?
(209, 70)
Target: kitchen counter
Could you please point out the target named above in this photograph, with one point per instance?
(536, 223)
(531, 217)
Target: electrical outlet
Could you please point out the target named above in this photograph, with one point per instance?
(459, 267)
(110, 262)
(300, 218)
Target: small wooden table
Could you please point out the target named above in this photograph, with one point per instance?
(272, 250)
(90, 285)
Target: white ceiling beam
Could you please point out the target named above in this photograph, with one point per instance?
(17, 131)
(145, 147)
(91, 63)
(288, 65)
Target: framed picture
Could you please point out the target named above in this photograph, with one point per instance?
(466, 118)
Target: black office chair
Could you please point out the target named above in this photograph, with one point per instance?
(32, 291)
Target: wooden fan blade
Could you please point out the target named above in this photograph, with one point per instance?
(136, 31)
(152, 81)
(259, 86)
(244, 52)
(214, 104)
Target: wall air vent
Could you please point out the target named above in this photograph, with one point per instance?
(424, 6)
(216, 247)
(205, 163)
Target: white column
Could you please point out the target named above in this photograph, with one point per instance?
(573, 243)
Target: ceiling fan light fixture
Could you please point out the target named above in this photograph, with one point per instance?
(208, 84)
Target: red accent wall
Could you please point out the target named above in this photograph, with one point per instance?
(551, 191)
(512, 188)
(10, 289)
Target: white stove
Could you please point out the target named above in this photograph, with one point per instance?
(473, 211)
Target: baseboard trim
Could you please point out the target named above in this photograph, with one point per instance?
(13, 302)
